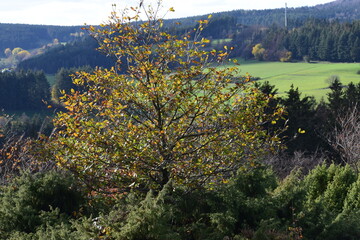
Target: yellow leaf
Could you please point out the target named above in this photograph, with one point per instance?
(172, 9)
(301, 131)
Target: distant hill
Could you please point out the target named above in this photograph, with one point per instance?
(75, 54)
(242, 26)
(34, 36)
(341, 10)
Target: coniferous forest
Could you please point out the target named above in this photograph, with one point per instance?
(149, 131)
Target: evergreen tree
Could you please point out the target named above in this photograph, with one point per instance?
(336, 97)
(300, 133)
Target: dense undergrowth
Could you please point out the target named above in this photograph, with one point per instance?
(323, 204)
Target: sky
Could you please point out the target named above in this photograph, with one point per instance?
(94, 12)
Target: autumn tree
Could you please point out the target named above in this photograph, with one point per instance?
(165, 112)
(258, 51)
(23, 54)
(16, 50)
(63, 81)
(8, 52)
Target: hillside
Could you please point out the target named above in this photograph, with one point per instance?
(75, 54)
(244, 27)
(34, 36)
(341, 10)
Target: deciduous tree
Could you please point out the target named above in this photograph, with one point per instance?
(15, 51)
(23, 54)
(258, 51)
(8, 52)
(347, 137)
(169, 113)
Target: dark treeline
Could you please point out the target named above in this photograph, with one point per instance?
(28, 102)
(311, 127)
(23, 90)
(324, 40)
(29, 91)
(318, 40)
(340, 10)
(24, 98)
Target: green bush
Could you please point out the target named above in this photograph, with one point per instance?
(338, 188)
(130, 219)
(317, 181)
(326, 191)
(35, 200)
(352, 200)
(245, 202)
(62, 231)
(176, 213)
(253, 205)
(344, 226)
(289, 198)
(151, 219)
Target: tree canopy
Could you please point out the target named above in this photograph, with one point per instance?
(169, 113)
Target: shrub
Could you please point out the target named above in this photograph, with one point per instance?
(352, 201)
(344, 226)
(246, 201)
(338, 188)
(41, 199)
(317, 181)
(289, 197)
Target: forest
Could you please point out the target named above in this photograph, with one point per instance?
(23, 90)
(33, 36)
(314, 40)
(169, 141)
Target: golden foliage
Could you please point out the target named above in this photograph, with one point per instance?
(165, 112)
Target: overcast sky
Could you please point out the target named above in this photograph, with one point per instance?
(78, 12)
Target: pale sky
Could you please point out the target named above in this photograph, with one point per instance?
(78, 12)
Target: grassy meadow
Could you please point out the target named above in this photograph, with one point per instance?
(310, 78)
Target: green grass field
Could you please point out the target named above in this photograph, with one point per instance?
(310, 78)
